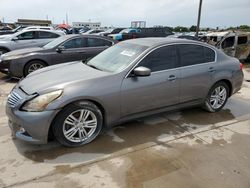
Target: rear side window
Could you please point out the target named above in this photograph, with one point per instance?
(195, 54)
(75, 43)
(242, 40)
(209, 55)
(46, 35)
(161, 59)
(95, 42)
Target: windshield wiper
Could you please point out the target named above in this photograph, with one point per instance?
(93, 66)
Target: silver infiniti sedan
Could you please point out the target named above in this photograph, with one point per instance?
(73, 102)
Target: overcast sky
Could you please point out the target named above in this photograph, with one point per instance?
(215, 13)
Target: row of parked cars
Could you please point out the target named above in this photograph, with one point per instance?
(33, 48)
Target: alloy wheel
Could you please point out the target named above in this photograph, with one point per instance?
(35, 66)
(218, 97)
(79, 125)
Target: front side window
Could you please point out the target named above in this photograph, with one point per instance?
(191, 54)
(228, 42)
(26, 35)
(75, 43)
(161, 59)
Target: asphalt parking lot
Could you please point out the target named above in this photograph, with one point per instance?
(189, 148)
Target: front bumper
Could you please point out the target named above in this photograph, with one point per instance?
(35, 124)
(4, 66)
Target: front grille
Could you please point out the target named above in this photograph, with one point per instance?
(14, 99)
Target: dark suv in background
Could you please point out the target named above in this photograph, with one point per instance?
(147, 32)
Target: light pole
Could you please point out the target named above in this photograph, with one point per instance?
(199, 19)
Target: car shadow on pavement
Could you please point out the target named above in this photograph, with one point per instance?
(155, 129)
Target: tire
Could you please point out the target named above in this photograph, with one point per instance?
(3, 51)
(33, 66)
(67, 131)
(213, 97)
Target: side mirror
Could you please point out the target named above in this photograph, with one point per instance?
(14, 39)
(142, 71)
(60, 49)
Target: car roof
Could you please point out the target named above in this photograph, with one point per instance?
(87, 35)
(156, 41)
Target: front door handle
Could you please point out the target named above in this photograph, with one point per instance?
(172, 78)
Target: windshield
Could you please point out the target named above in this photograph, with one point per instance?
(54, 43)
(109, 30)
(117, 57)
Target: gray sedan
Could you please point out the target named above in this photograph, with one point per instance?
(27, 39)
(135, 78)
(66, 48)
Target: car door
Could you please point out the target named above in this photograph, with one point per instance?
(44, 37)
(74, 49)
(24, 40)
(197, 68)
(160, 89)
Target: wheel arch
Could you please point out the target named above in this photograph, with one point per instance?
(229, 84)
(98, 104)
(36, 59)
(5, 48)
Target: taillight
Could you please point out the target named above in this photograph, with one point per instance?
(241, 66)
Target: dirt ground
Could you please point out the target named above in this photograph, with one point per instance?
(189, 148)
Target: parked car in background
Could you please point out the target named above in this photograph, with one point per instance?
(110, 31)
(236, 44)
(66, 48)
(75, 101)
(141, 33)
(119, 36)
(26, 39)
(93, 31)
(7, 32)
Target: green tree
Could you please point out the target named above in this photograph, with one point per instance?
(180, 29)
(193, 28)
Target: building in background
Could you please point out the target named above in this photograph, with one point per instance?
(138, 24)
(30, 22)
(91, 25)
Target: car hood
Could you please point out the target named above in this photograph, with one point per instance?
(5, 37)
(24, 51)
(58, 77)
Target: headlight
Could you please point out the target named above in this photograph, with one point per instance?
(6, 58)
(11, 57)
(40, 102)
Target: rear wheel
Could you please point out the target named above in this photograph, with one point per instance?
(78, 124)
(217, 97)
(33, 66)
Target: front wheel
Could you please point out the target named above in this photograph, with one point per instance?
(3, 51)
(78, 124)
(33, 66)
(217, 97)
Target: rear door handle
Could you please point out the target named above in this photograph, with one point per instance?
(172, 78)
(211, 69)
